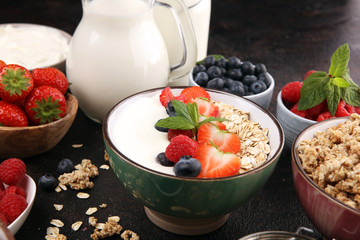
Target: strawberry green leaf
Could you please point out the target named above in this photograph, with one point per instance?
(175, 123)
(312, 90)
(339, 61)
(14, 81)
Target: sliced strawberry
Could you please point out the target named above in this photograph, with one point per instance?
(175, 132)
(220, 125)
(205, 107)
(194, 92)
(224, 140)
(215, 163)
(166, 96)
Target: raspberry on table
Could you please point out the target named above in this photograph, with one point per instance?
(12, 171)
(12, 205)
(291, 92)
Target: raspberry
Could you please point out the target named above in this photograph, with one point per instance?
(298, 112)
(357, 110)
(12, 171)
(341, 110)
(291, 92)
(175, 132)
(12, 205)
(16, 190)
(350, 109)
(2, 194)
(2, 188)
(3, 219)
(179, 146)
(308, 73)
(324, 116)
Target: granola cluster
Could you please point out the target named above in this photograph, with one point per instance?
(255, 145)
(332, 160)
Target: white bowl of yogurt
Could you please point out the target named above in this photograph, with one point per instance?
(33, 46)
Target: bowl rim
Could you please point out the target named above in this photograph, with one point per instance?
(296, 160)
(251, 97)
(110, 144)
(68, 97)
(285, 109)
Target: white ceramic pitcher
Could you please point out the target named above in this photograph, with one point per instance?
(118, 50)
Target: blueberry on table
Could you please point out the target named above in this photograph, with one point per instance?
(248, 68)
(216, 83)
(65, 166)
(235, 74)
(249, 79)
(233, 62)
(187, 167)
(163, 160)
(47, 182)
(257, 87)
(202, 79)
(214, 72)
(266, 78)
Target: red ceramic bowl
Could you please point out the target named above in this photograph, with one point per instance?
(334, 219)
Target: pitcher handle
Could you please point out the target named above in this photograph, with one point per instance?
(188, 39)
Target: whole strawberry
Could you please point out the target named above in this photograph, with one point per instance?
(16, 83)
(50, 77)
(12, 171)
(44, 105)
(12, 115)
(2, 64)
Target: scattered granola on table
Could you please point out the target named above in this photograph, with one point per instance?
(332, 160)
(255, 145)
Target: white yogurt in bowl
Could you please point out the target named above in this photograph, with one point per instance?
(32, 45)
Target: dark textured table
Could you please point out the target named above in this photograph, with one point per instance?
(290, 37)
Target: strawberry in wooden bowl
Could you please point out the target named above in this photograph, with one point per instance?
(35, 110)
(191, 156)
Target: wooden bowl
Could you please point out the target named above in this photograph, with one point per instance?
(22, 142)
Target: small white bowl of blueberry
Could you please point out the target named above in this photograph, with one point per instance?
(242, 78)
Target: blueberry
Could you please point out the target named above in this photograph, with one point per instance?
(161, 129)
(202, 79)
(221, 63)
(187, 167)
(235, 74)
(234, 62)
(257, 87)
(237, 88)
(266, 78)
(260, 68)
(216, 83)
(170, 109)
(198, 68)
(223, 71)
(248, 68)
(248, 93)
(249, 79)
(163, 160)
(227, 81)
(47, 182)
(214, 72)
(65, 166)
(209, 61)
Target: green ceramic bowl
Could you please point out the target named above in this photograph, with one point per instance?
(187, 205)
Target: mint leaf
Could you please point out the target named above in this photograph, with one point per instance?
(339, 61)
(340, 82)
(193, 112)
(180, 109)
(312, 90)
(333, 94)
(351, 95)
(175, 123)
